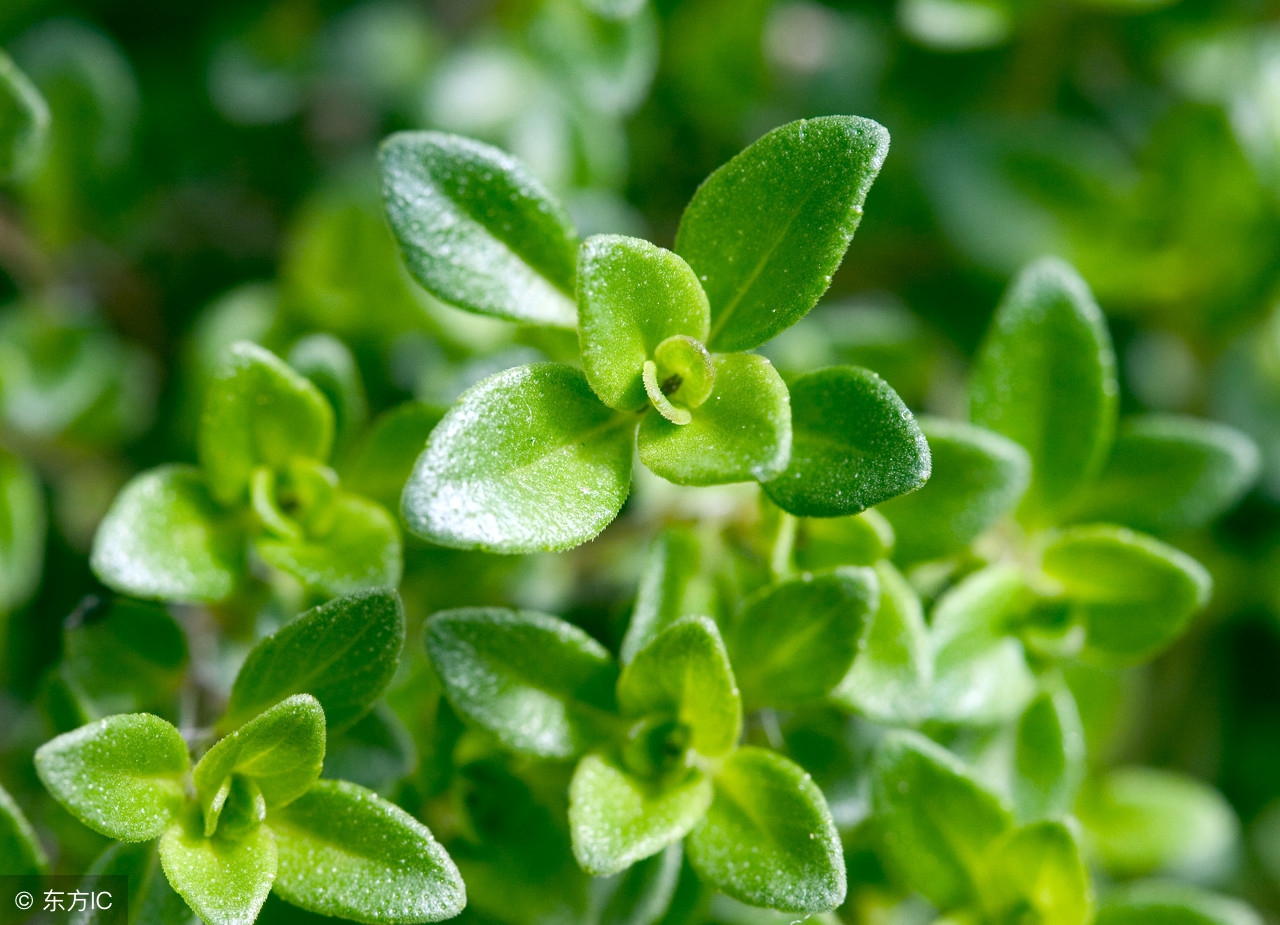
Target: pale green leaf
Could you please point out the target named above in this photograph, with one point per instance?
(152, 901)
(1158, 902)
(224, 881)
(1037, 874)
(1049, 756)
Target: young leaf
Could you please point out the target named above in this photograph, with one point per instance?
(381, 463)
(644, 893)
(978, 477)
(1134, 595)
(259, 412)
(684, 671)
(829, 542)
(224, 881)
(331, 367)
(1036, 873)
(121, 776)
(742, 432)
(22, 531)
(766, 231)
(632, 295)
(1049, 756)
(528, 460)
(890, 678)
(281, 751)
(795, 641)
(358, 547)
(617, 819)
(1168, 473)
(343, 653)
(1045, 378)
(165, 538)
(24, 122)
(346, 852)
(855, 445)
(936, 822)
(540, 685)
(21, 854)
(1168, 903)
(768, 838)
(671, 587)
(477, 230)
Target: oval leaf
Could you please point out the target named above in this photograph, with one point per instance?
(1037, 873)
(225, 882)
(528, 460)
(767, 230)
(1049, 756)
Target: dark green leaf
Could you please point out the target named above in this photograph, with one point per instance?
(1167, 903)
(346, 852)
(224, 881)
(1036, 874)
(855, 445)
(121, 776)
(617, 818)
(528, 460)
(1134, 595)
(343, 653)
(767, 230)
(382, 461)
(540, 685)
(1045, 378)
(684, 672)
(1049, 757)
(978, 477)
(330, 366)
(165, 538)
(24, 122)
(769, 839)
(22, 530)
(126, 656)
(935, 821)
(477, 229)
(632, 295)
(20, 852)
(795, 641)
(374, 752)
(741, 432)
(644, 893)
(671, 586)
(1168, 473)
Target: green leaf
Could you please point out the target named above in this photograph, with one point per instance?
(22, 531)
(935, 821)
(152, 901)
(767, 230)
(617, 818)
(978, 477)
(828, 542)
(331, 367)
(1142, 821)
(769, 839)
(889, 680)
(375, 752)
(281, 751)
(644, 894)
(1036, 874)
(856, 445)
(24, 122)
(165, 538)
(381, 463)
(1169, 473)
(259, 412)
(1166, 903)
(684, 672)
(1049, 757)
(121, 776)
(1045, 378)
(1134, 595)
(671, 586)
(224, 881)
(477, 229)
(795, 641)
(346, 852)
(632, 295)
(528, 460)
(355, 546)
(741, 432)
(21, 854)
(540, 685)
(343, 653)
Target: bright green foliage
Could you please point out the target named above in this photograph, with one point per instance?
(1168, 903)
(20, 851)
(767, 230)
(1168, 473)
(24, 122)
(332, 369)
(22, 529)
(151, 897)
(671, 586)
(343, 653)
(796, 640)
(860, 539)
(477, 230)
(1050, 756)
(542, 686)
(1037, 873)
(121, 776)
(1045, 378)
(528, 459)
(855, 445)
(1132, 594)
(224, 881)
(382, 461)
(768, 838)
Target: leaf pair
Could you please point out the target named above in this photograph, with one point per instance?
(179, 532)
(657, 749)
